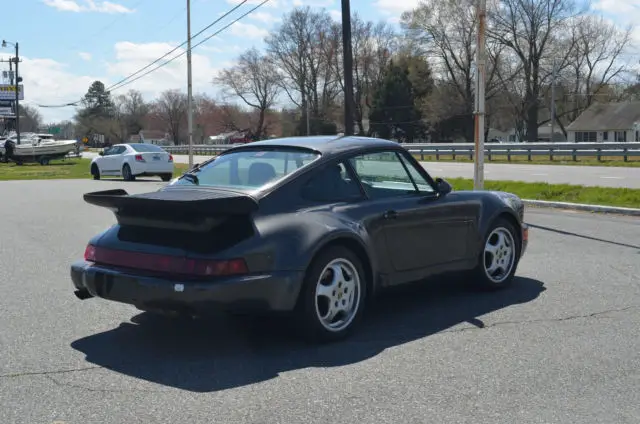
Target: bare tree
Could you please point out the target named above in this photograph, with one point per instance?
(535, 30)
(445, 31)
(595, 63)
(30, 119)
(297, 48)
(373, 46)
(171, 108)
(255, 82)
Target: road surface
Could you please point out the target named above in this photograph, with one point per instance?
(560, 347)
(603, 176)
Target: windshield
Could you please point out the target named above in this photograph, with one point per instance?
(141, 147)
(250, 169)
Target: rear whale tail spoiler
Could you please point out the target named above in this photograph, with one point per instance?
(184, 208)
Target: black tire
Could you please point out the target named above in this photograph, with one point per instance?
(308, 310)
(166, 177)
(507, 257)
(95, 172)
(126, 173)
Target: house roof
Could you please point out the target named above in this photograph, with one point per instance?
(607, 116)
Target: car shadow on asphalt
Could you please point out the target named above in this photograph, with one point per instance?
(217, 354)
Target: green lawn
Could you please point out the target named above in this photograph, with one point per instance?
(79, 169)
(59, 169)
(538, 160)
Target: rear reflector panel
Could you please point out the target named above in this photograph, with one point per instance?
(174, 265)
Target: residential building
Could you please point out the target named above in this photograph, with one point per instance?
(607, 122)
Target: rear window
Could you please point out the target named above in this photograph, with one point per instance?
(143, 147)
(251, 169)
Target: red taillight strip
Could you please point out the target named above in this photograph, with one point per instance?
(165, 263)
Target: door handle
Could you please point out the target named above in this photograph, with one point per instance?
(390, 214)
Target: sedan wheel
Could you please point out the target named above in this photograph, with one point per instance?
(333, 295)
(499, 256)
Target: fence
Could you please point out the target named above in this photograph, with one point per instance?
(551, 150)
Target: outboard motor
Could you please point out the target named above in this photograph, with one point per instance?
(8, 150)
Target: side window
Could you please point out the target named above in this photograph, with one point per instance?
(108, 151)
(383, 175)
(421, 182)
(331, 183)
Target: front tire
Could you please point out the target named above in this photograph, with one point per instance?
(333, 295)
(499, 256)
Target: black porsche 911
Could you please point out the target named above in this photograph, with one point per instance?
(313, 226)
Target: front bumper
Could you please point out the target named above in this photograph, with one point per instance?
(266, 292)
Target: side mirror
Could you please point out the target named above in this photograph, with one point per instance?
(443, 186)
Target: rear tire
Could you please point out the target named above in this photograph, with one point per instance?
(499, 256)
(333, 296)
(95, 172)
(126, 173)
(166, 177)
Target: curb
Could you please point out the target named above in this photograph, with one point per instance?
(583, 207)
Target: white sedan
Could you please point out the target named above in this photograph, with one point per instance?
(133, 160)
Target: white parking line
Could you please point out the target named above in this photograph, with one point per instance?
(613, 178)
(542, 175)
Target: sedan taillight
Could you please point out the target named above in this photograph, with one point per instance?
(170, 158)
(139, 158)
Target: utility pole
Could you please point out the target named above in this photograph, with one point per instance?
(478, 168)
(189, 86)
(347, 60)
(308, 122)
(553, 101)
(17, 88)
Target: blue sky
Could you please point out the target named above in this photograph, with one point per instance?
(67, 44)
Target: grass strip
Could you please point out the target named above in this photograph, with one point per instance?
(603, 196)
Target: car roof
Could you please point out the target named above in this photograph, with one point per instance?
(324, 144)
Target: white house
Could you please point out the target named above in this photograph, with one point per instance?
(607, 122)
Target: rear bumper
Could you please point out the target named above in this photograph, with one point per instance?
(271, 292)
(525, 238)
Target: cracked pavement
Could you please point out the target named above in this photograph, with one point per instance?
(562, 346)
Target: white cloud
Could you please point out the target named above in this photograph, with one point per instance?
(240, 29)
(87, 6)
(85, 56)
(49, 82)
(336, 15)
(622, 12)
(395, 7)
(130, 57)
(265, 17)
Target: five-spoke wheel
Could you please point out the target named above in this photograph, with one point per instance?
(333, 295)
(337, 294)
(499, 256)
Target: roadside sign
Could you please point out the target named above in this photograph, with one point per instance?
(85, 140)
(8, 92)
(54, 130)
(5, 111)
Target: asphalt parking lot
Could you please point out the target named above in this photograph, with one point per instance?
(561, 346)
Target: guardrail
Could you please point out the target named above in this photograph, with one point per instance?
(573, 150)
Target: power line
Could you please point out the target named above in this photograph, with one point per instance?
(124, 82)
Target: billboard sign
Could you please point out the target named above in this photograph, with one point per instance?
(5, 111)
(8, 92)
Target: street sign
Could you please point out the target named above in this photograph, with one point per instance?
(54, 130)
(8, 92)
